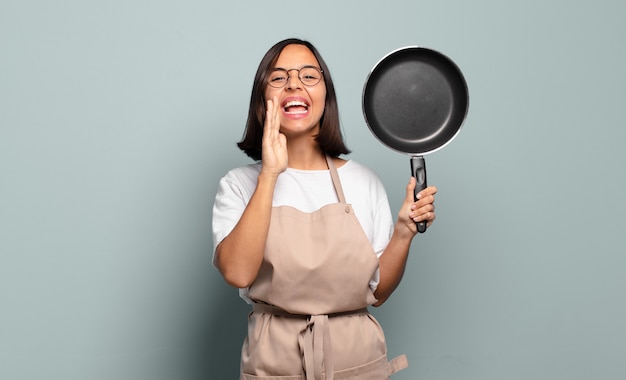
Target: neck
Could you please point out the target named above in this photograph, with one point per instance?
(309, 158)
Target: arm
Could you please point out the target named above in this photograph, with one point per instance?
(240, 254)
(392, 262)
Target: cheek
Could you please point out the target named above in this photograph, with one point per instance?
(270, 92)
(321, 99)
(318, 95)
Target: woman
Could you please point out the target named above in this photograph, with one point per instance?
(306, 236)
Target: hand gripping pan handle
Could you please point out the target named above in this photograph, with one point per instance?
(418, 170)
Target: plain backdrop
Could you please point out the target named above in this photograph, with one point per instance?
(117, 119)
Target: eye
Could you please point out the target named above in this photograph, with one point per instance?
(278, 76)
(310, 73)
(310, 76)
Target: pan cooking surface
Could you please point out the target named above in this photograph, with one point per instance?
(415, 100)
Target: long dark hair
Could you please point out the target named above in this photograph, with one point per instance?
(329, 138)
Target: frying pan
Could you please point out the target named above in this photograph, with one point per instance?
(415, 100)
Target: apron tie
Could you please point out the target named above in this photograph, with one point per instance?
(314, 339)
(315, 345)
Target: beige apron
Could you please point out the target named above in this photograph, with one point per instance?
(313, 287)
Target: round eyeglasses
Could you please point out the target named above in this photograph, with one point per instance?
(308, 75)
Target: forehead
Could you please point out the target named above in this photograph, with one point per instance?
(296, 56)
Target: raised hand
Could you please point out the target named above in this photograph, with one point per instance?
(274, 145)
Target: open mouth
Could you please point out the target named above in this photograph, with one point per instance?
(295, 107)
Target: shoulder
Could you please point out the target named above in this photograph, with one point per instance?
(241, 179)
(356, 169)
(243, 174)
(361, 181)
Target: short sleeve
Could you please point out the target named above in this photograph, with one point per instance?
(233, 194)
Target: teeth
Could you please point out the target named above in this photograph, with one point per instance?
(295, 103)
(296, 112)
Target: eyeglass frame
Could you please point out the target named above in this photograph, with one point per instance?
(300, 79)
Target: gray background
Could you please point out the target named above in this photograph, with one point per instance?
(118, 118)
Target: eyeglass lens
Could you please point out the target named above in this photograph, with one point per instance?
(309, 76)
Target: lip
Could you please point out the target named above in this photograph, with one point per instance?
(295, 101)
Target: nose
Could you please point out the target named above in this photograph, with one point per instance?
(293, 79)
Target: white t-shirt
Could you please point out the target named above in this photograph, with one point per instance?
(308, 191)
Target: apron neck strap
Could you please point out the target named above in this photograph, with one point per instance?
(335, 177)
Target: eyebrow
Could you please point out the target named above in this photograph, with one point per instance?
(293, 68)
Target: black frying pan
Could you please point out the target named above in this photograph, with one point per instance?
(415, 101)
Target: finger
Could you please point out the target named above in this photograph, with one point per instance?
(410, 199)
(268, 117)
(410, 190)
(272, 125)
(428, 216)
(431, 221)
(276, 109)
(429, 191)
(425, 209)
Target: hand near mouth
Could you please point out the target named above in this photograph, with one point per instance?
(274, 145)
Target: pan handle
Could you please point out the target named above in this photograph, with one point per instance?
(418, 170)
